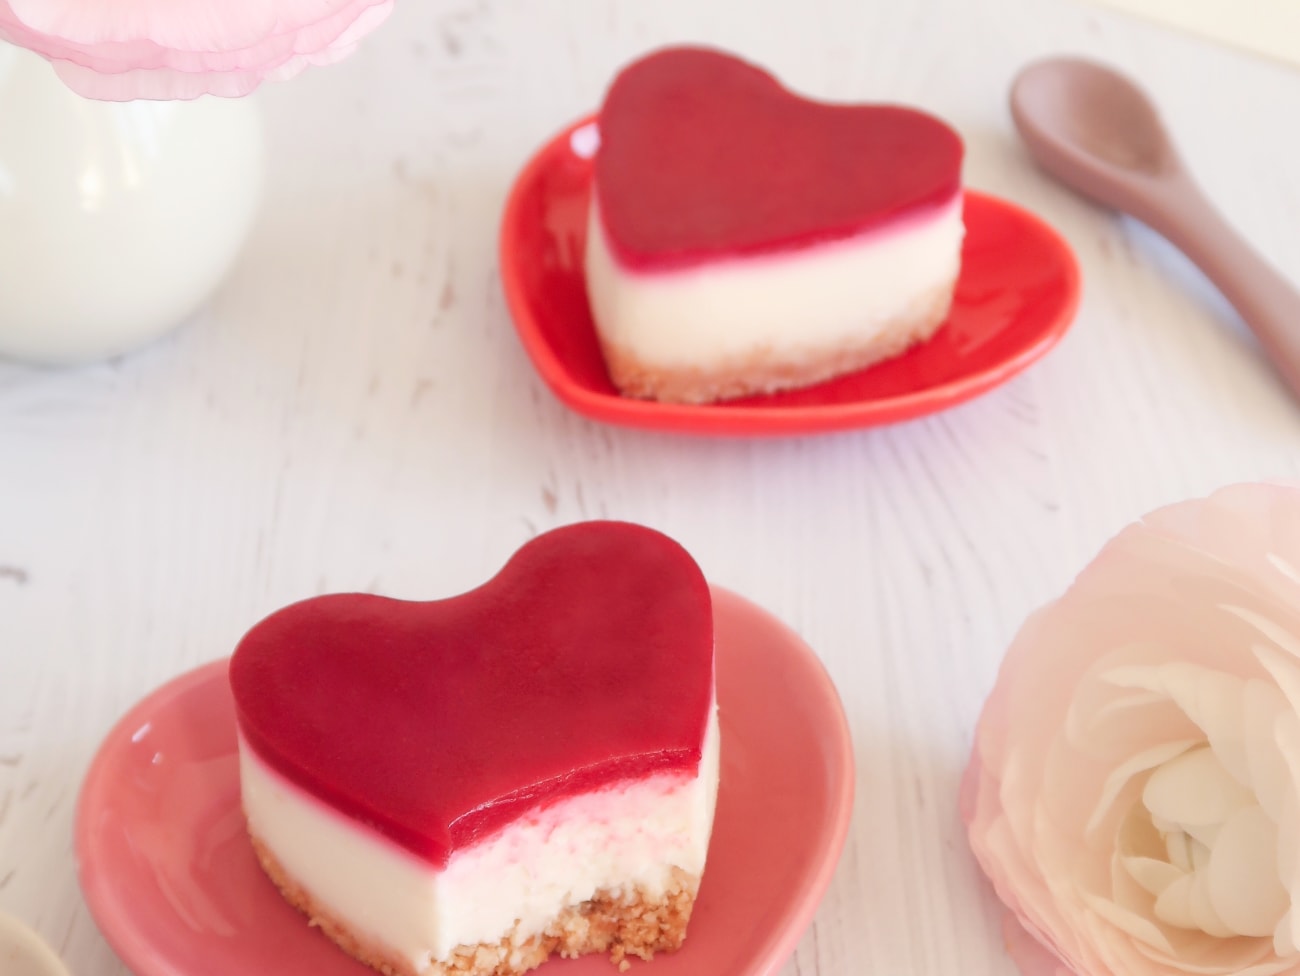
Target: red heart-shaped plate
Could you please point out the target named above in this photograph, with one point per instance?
(1015, 298)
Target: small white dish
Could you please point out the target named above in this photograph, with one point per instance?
(117, 219)
(24, 953)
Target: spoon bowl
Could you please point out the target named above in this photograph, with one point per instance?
(1096, 131)
(1070, 103)
(24, 953)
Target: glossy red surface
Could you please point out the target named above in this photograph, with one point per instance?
(1016, 297)
(171, 880)
(586, 660)
(704, 155)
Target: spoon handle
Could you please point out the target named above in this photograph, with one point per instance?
(1267, 302)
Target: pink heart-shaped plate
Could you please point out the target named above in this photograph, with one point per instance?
(170, 877)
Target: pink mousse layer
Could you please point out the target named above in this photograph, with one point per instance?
(586, 661)
(704, 156)
(881, 236)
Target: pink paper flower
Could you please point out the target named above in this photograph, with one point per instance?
(1133, 793)
(175, 49)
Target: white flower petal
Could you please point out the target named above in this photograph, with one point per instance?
(1205, 835)
(1295, 928)
(1153, 875)
(1109, 723)
(1139, 699)
(1270, 628)
(1204, 955)
(1269, 777)
(1213, 700)
(1283, 671)
(1138, 836)
(1283, 943)
(1179, 848)
(1125, 890)
(1242, 879)
(1140, 928)
(1194, 789)
(1282, 566)
(1287, 738)
(1200, 855)
(1097, 701)
(1145, 677)
(1174, 906)
(1122, 774)
(1202, 906)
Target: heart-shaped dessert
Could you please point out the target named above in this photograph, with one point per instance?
(470, 784)
(745, 239)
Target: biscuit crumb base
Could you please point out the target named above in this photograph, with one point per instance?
(621, 924)
(770, 370)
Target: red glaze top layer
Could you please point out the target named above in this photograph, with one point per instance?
(587, 660)
(704, 156)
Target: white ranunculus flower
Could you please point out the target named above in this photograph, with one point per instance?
(1133, 793)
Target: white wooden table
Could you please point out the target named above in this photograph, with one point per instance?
(353, 411)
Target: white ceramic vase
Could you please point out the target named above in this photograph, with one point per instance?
(117, 219)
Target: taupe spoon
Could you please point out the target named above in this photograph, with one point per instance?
(1096, 131)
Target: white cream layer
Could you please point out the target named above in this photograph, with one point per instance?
(628, 835)
(825, 296)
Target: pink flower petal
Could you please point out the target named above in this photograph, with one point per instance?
(188, 25)
(1252, 529)
(185, 48)
(1027, 952)
(163, 84)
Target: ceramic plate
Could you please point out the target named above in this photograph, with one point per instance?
(1017, 294)
(170, 877)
